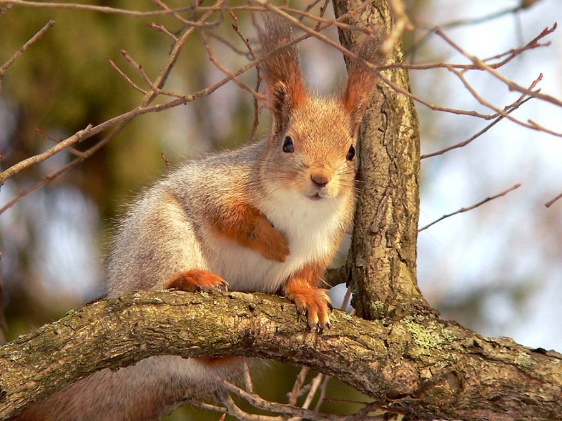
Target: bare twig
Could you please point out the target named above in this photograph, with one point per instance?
(516, 186)
(165, 160)
(218, 65)
(26, 163)
(178, 45)
(512, 86)
(141, 72)
(248, 383)
(124, 118)
(314, 385)
(504, 57)
(52, 176)
(323, 390)
(295, 393)
(233, 409)
(401, 23)
(289, 410)
(164, 30)
(201, 404)
(127, 78)
(467, 21)
(111, 10)
(256, 100)
(24, 47)
(551, 202)
(174, 13)
(462, 144)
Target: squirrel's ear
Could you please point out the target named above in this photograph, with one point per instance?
(361, 80)
(281, 71)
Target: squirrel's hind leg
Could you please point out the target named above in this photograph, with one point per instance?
(197, 280)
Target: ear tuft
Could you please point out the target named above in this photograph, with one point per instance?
(361, 80)
(281, 71)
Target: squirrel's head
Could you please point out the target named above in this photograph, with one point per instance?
(312, 143)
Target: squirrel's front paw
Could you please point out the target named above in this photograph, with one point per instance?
(312, 302)
(269, 242)
(197, 280)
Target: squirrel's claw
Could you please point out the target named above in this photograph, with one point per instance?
(197, 280)
(315, 304)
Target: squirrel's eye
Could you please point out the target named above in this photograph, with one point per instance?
(288, 146)
(350, 153)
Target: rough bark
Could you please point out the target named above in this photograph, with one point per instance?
(424, 367)
(382, 263)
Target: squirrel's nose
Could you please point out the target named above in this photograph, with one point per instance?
(320, 179)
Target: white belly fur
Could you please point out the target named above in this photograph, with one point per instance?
(311, 228)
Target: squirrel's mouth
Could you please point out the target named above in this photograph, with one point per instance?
(315, 196)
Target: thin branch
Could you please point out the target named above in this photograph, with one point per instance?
(295, 393)
(466, 21)
(248, 383)
(294, 412)
(24, 47)
(178, 46)
(551, 202)
(90, 130)
(431, 106)
(233, 409)
(107, 9)
(51, 177)
(473, 137)
(127, 78)
(461, 210)
(504, 57)
(512, 86)
(199, 404)
(314, 385)
(256, 100)
(218, 65)
(401, 23)
(323, 391)
(26, 163)
(175, 14)
(164, 30)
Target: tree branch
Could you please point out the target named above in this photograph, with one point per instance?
(421, 366)
(469, 208)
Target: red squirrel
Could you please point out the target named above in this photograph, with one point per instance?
(267, 217)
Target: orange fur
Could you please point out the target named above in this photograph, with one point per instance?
(196, 280)
(250, 228)
(301, 287)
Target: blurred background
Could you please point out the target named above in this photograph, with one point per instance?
(496, 269)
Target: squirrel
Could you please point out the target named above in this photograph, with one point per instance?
(267, 217)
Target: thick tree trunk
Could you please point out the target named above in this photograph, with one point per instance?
(382, 263)
(420, 366)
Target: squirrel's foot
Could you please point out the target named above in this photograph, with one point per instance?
(312, 302)
(197, 280)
